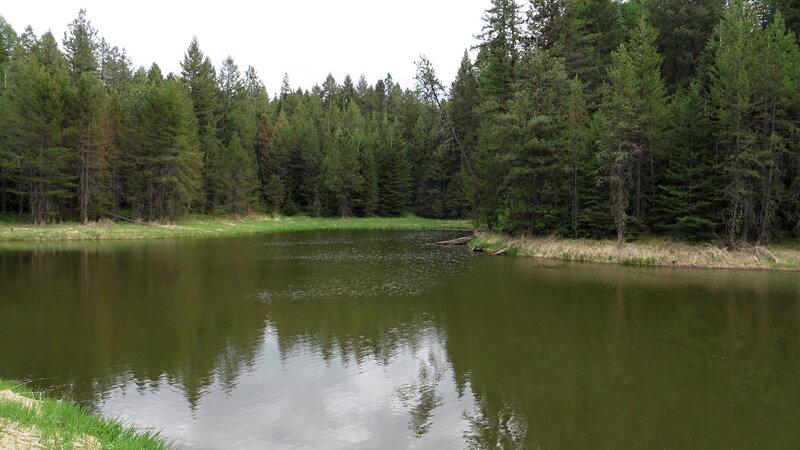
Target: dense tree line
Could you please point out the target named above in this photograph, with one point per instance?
(601, 118)
(84, 135)
(581, 118)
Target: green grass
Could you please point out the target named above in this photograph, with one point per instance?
(60, 423)
(638, 261)
(14, 229)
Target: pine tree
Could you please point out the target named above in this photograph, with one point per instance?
(463, 110)
(499, 52)
(200, 79)
(634, 104)
(238, 110)
(115, 67)
(496, 62)
(366, 141)
(34, 121)
(85, 107)
(272, 161)
(330, 90)
(86, 111)
(394, 185)
(531, 191)
(788, 9)
(163, 150)
(275, 193)
(81, 45)
(341, 169)
(545, 19)
(348, 90)
(689, 197)
(777, 79)
(591, 30)
(651, 116)
(596, 219)
(683, 32)
(575, 155)
(734, 95)
(8, 42)
(239, 177)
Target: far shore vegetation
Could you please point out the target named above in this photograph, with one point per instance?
(643, 251)
(647, 251)
(14, 229)
(30, 420)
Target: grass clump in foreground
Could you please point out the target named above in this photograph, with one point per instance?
(28, 420)
(652, 251)
(13, 229)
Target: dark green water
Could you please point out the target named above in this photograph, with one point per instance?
(374, 339)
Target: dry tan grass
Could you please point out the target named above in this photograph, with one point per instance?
(9, 396)
(14, 436)
(655, 252)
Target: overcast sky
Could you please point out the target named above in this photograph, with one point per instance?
(306, 39)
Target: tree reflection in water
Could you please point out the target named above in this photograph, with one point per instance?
(375, 338)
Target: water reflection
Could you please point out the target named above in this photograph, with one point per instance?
(377, 339)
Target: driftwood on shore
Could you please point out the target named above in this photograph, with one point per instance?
(459, 241)
(139, 222)
(500, 252)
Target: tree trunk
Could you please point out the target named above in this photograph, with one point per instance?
(619, 201)
(638, 180)
(84, 192)
(3, 196)
(575, 201)
(766, 206)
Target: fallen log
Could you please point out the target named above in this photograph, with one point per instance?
(138, 222)
(458, 241)
(500, 252)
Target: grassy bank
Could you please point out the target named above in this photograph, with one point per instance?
(13, 229)
(28, 420)
(647, 252)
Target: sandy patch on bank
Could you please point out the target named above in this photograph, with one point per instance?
(14, 435)
(9, 396)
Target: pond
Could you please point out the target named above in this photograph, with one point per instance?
(377, 339)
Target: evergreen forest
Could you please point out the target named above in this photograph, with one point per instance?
(576, 118)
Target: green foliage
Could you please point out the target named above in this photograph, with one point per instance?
(589, 31)
(275, 192)
(341, 170)
(754, 91)
(239, 178)
(34, 123)
(689, 196)
(164, 156)
(532, 188)
(634, 104)
(683, 32)
(561, 126)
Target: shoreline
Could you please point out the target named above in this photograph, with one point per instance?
(647, 252)
(208, 226)
(31, 420)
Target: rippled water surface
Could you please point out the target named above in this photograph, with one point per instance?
(377, 339)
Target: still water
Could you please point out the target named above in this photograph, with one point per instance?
(377, 339)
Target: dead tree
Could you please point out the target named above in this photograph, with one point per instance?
(431, 88)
